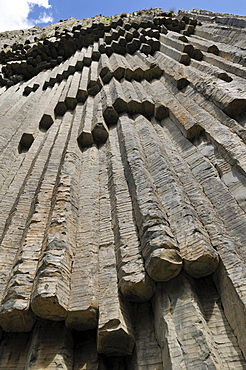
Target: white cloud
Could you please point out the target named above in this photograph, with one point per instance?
(44, 3)
(44, 18)
(14, 14)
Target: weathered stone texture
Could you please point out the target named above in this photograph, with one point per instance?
(115, 333)
(83, 297)
(123, 195)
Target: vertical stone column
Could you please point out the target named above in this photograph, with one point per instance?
(15, 313)
(134, 283)
(83, 300)
(159, 247)
(52, 284)
(115, 332)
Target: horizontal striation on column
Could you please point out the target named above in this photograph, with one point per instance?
(109, 113)
(99, 128)
(147, 108)
(201, 76)
(230, 214)
(199, 257)
(147, 176)
(150, 67)
(175, 54)
(230, 52)
(10, 99)
(48, 117)
(105, 70)
(61, 107)
(174, 42)
(226, 205)
(177, 112)
(226, 140)
(85, 137)
(13, 100)
(71, 97)
(229, 277)
(134, 68)
(231, 101)
(17, 226)
(53, 278)
(63, 70)
(118, 65)
(82, 92)
(226, 65)
(147, 352)
(95, 51)
(173, 71)
(16, 314)
(94, 82)
(204, 45)
(134, 283)
(88, 56)
(115, 331)
(212, 112)
(230, 283)
(221, 331)
(23, 118)
(19, 174)
(51, 346)
(230, 175)
(232, 36)
(215, 72)
(83, 300)
(117, 95)
(159, 248)
(186, 341)
(133, 103)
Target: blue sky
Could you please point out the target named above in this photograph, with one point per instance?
(17, 14)
(83, 9)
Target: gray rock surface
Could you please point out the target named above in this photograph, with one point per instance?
(123, 193)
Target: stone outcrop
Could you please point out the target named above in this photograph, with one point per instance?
(123, 194)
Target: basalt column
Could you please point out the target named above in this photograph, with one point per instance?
(123, 194)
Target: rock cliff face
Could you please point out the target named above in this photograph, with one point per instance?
(123, 194)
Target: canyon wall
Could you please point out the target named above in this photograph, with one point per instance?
(123, 194)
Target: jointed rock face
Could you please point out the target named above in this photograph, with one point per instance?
(123, 194)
